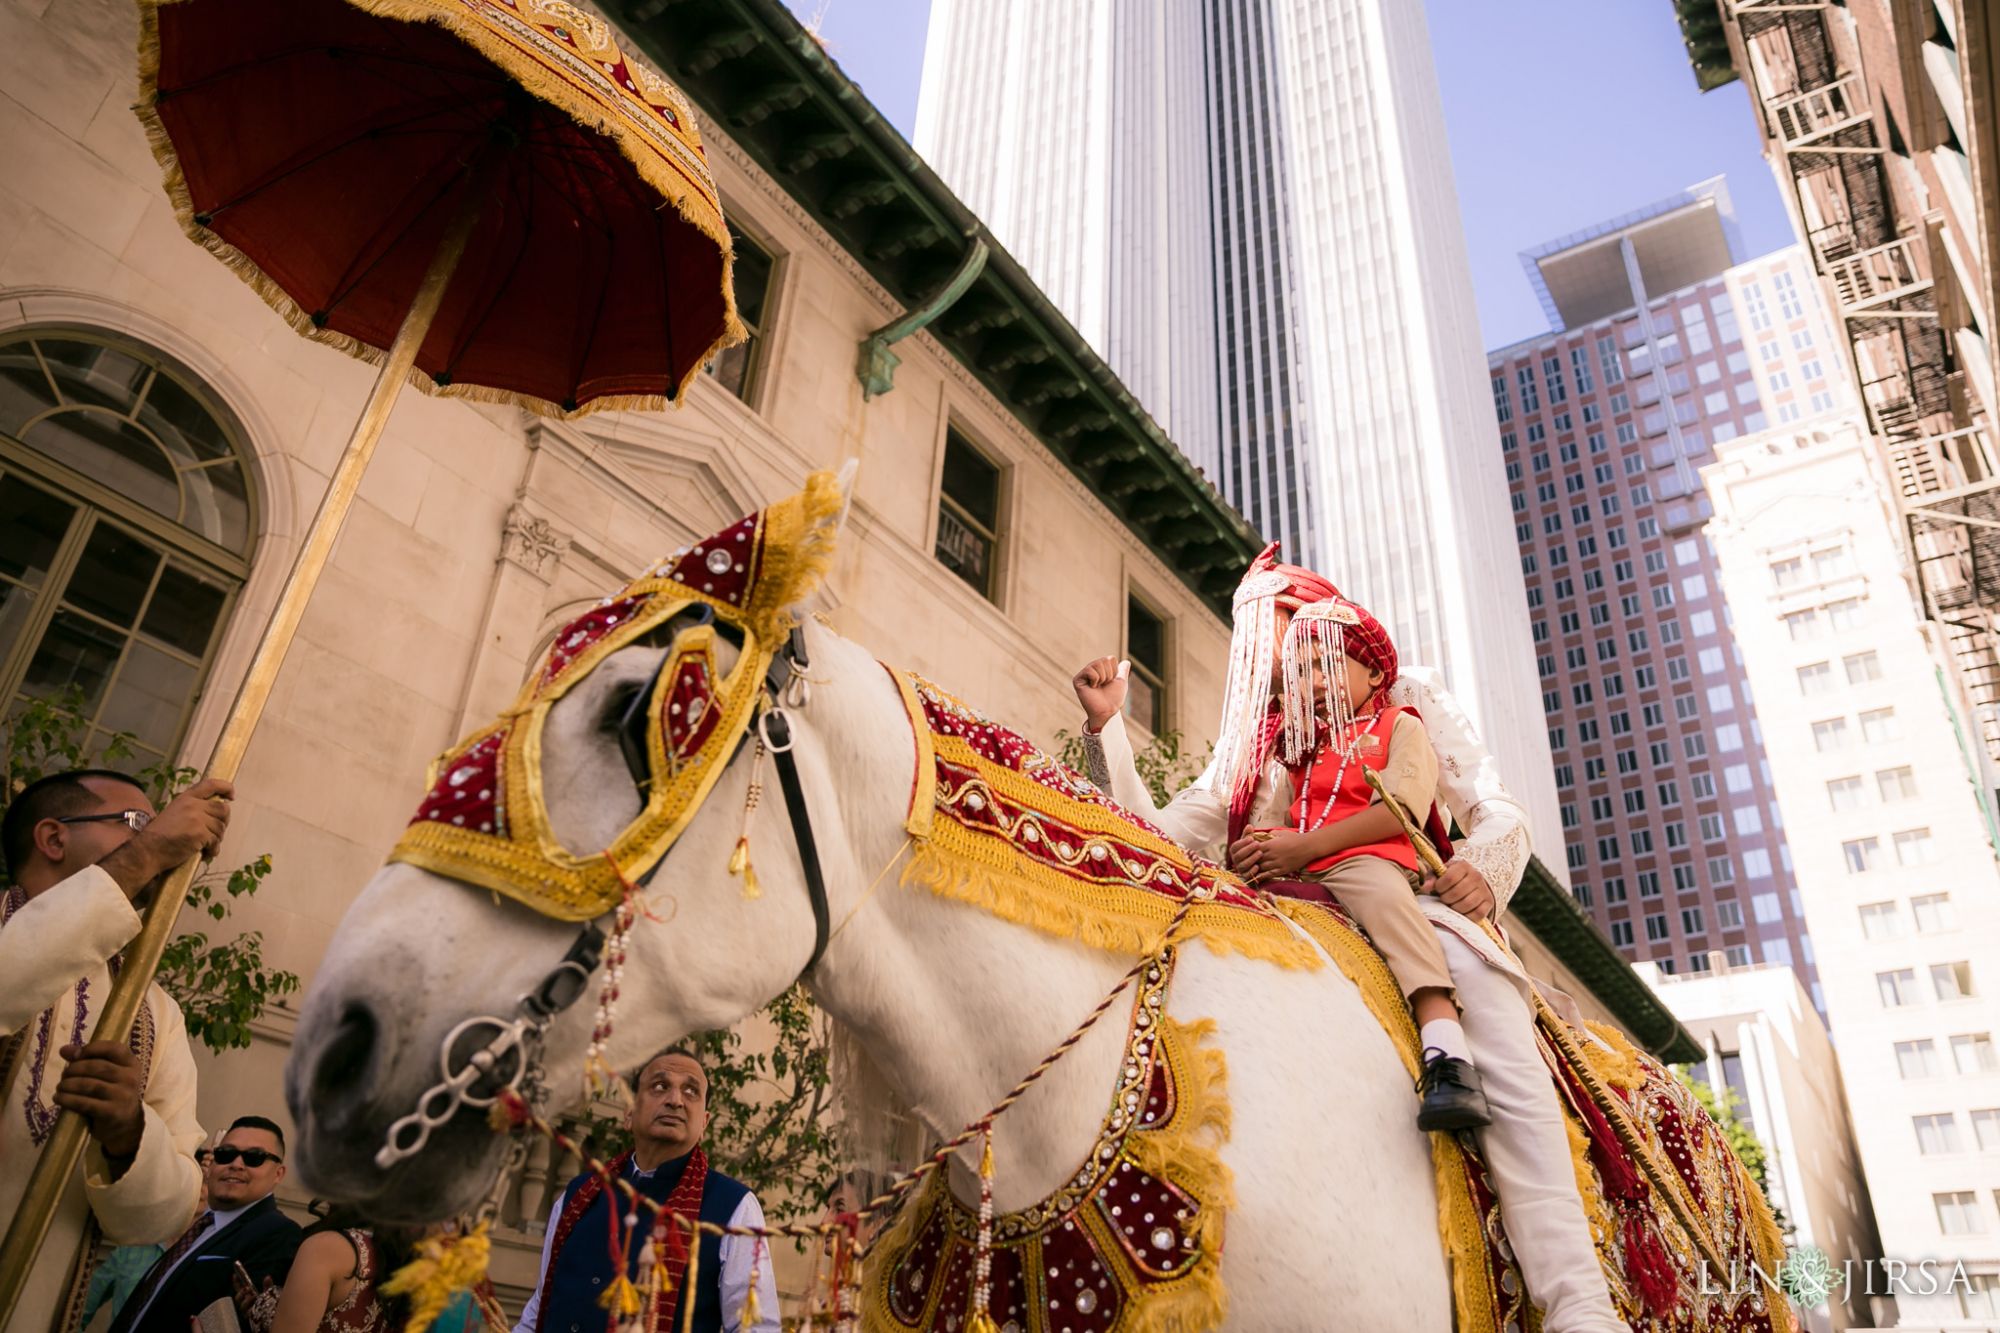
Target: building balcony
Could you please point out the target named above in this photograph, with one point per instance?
(1874, 279)
(1942, 465)
(1802, 119)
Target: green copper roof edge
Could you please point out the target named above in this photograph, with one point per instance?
(1707, 43)
(842, 100)
(1546, 909)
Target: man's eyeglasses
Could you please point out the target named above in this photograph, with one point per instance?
(131, 819)
(252, 1157)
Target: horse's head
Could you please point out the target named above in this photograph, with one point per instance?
(629, 754)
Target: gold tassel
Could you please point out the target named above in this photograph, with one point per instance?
(750, 1307)
(981, 1322)
(739, 864)
(621, 1298)
(443, 1267)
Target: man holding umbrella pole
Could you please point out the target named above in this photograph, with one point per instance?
(82, 848)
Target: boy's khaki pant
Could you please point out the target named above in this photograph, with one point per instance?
(1377, 893)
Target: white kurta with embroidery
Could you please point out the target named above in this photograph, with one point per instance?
(1494, 824)
(67, 934)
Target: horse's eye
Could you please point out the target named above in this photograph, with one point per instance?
(618, 702)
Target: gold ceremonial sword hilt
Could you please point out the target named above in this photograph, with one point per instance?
(1427, 851)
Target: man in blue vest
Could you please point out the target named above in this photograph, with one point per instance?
(588, 1240)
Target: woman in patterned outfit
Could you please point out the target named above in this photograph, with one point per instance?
(334, 1285)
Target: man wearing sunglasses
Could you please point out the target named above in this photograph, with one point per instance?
(81, 849)
(240, 1227)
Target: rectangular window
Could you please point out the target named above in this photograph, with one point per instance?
(1958, 1213)
(1880, 724)
(1932, 912)
(1937, 1134)
(1656, 929)
(1844, 793)
(1579, 364)
(1973, 1053)
(1918, 1059)
(1729, 915)
(1552, 378)
(1802, 625)
(1621, 934)
(1649, 884)
(1829, 735)
(1816, 678)
(1146, 649)
(1691, 922)
(1881, 921)
(740, 369)
(1897, 988)
(1788, 573)
(1863, 854)
(1896, 784)
(1952, 981)
(1986, 1129)
(969, 514)
(1609, 361)
(1915, 847)
(1503, 406)
(1844, 614)
(1711, 828)
(1862, 667)
(1525, 379)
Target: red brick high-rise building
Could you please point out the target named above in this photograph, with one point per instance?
(1662, 344)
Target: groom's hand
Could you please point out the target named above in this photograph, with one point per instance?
(1100, 688)
(1462, 889)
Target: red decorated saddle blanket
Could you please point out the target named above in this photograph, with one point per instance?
(1003, 825)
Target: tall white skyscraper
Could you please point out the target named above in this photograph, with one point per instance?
(1248, 206)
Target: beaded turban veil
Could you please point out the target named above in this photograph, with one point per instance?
(484, 820)
(1267, 586)
(1321, 636)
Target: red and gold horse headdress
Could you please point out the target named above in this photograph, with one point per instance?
(485, 820)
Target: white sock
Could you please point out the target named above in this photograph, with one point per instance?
(1446, 1035)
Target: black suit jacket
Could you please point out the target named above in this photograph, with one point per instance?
(262, 1239)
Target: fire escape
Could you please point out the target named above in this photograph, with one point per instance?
(1878, 273)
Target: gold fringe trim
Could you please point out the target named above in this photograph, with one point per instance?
(1461, 1231)
(801, 537)
(1620, 1066)
(956, 864)
(1185, 1151)
(532, 76)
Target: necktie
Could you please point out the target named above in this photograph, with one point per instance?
(150, 1284)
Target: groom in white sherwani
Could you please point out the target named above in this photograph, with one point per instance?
(1526, 1148)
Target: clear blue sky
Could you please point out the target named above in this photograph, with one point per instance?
(1561, 113)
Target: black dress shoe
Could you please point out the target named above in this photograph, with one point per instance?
(1452, 1097)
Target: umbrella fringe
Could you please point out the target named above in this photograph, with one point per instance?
(547, 89)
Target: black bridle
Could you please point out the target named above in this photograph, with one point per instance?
(510, 1059)
(784, 684)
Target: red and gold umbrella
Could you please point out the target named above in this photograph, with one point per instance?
(487, 197)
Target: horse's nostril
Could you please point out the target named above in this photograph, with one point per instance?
(342, 1072)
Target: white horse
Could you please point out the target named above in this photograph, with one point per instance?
(1335, 1226)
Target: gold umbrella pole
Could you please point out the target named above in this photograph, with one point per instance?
(59, 1156)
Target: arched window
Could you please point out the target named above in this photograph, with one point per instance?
(127, 517)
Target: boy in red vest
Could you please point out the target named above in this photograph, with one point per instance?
(1338, 665)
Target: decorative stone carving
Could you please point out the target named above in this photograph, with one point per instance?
(533, 543)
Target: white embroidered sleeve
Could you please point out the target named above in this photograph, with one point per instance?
(58, 936)
(1196, 818)
(153, 1198)
(1494, 825)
